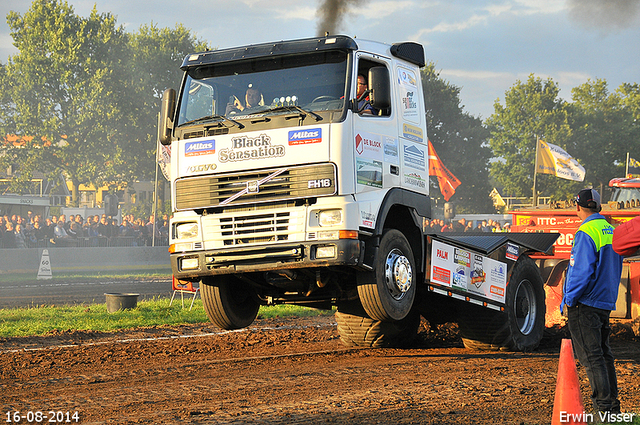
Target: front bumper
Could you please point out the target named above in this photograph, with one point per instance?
(347, 252)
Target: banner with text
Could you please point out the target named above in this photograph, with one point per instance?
(554, 160)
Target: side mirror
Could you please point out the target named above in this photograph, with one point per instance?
(166, 116)
(380, 87)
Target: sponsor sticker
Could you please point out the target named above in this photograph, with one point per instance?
(412, 132)
(409, 105)
(468, 271)
(460, 277)
(368, 219)
(391, 150)
(206, 147)
(462, 257)
(513, 251)
(414, 157)
(304, 137)
(369, 146)
(441, 275)
(406, 77)
(415, 180)
(369, 172)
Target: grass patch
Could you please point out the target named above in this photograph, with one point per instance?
(74, 277)
(42, 320)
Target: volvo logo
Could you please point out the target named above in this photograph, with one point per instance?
(253, 186)
(201, 168)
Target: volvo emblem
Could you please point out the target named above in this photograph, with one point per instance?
(253, 186)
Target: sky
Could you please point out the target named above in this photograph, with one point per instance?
(483, 47)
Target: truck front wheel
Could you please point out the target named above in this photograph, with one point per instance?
(521, 326)
(390, 297)
(229, 302)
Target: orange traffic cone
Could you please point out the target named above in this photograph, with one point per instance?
(567, 405)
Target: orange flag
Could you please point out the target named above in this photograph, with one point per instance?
(447, 181)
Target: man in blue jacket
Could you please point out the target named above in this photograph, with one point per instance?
(590, 293)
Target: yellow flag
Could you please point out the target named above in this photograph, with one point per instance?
(554, 160)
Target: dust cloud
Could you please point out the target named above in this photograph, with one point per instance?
(604, 15)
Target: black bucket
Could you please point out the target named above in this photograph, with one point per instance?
(116, 302)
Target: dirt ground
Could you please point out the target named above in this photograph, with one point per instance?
(284, 371)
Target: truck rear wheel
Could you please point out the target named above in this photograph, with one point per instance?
(521, 326)
(390, 296)
(229, 302)
(357, 329)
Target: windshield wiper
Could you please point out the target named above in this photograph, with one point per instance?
(214, 117)
(302, 113)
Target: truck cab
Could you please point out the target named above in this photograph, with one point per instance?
(286, 188)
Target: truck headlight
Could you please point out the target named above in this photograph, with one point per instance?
(186, 230)
(328, 251)
(330, 217)
(189, 263)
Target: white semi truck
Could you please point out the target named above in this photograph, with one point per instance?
(290, 184)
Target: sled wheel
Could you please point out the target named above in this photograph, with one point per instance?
(357, 329)
(520, 327)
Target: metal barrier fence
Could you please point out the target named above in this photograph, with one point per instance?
(95, 242)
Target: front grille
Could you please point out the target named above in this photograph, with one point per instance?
(275, 184)
(256, 227)
(261, 228)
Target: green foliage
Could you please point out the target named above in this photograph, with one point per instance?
(63, 89)
(532, 109)
(598, 128)
(460, 141)
(83, 95)
(604, 132)
(153, 65)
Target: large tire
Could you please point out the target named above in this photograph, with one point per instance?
(229, 302)
(357, 329)
(390, 297)
(520, 327)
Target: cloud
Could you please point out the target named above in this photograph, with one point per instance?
(462, 17)
(476, 75)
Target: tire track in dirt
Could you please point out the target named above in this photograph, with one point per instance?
(286, 372)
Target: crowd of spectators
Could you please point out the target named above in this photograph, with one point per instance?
(462, 225)
(96, 230)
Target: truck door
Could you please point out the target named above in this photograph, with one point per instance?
(375, 133)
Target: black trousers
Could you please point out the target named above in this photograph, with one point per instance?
(590, 332)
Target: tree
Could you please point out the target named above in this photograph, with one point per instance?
(603, 132)
(459, 139)
(64, 91)
(532, 110)
(153, 64)
(83, 95)
(630, 99)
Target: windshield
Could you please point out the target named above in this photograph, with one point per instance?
(265, 86)
(625, 194)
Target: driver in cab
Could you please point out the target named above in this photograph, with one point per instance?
(253, 97)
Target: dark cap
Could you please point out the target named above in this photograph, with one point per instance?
(589, 198)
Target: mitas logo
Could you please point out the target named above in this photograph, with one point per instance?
(303, 137)
(200, 148)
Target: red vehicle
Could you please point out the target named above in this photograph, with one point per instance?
(561, 218)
